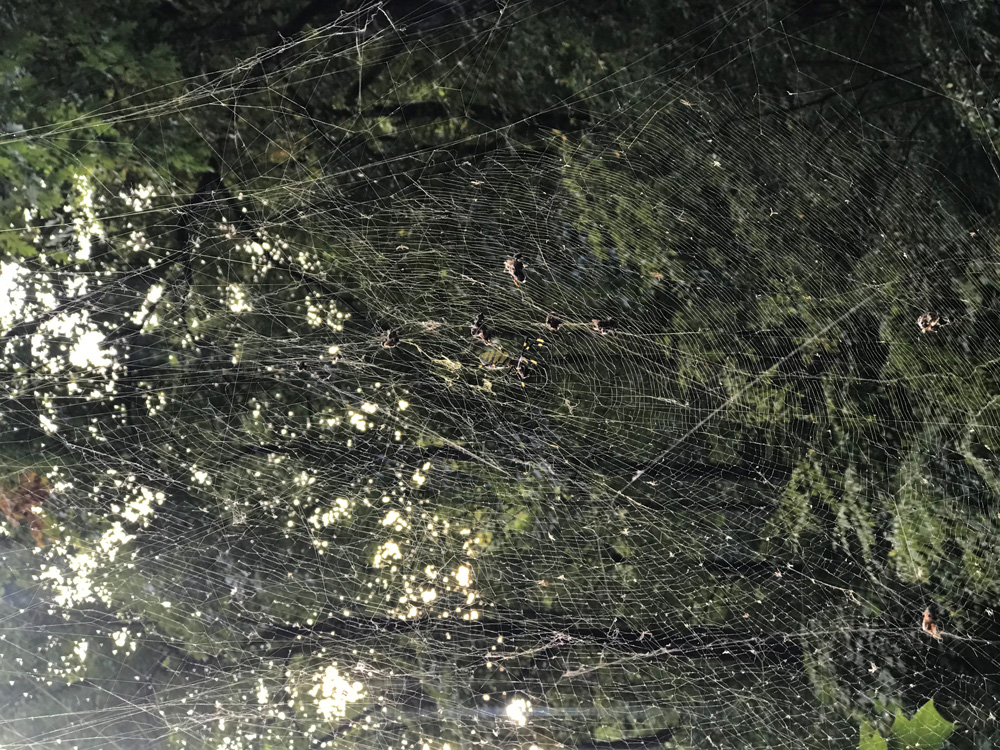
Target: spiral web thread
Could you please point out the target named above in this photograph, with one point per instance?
(716, 523)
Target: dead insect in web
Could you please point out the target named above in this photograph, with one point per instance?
(495, 359)
(515, 267)
(553, 321)
(605, 326)
(479, 329)
(389, 339)
(929, 625)
(930, 323)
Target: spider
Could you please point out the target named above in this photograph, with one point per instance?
(515, 267)
(523, 366)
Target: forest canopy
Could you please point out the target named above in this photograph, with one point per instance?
(452, 374)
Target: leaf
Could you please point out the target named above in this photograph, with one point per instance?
(870, 739)
(13, 246)
(606, 733)
(927, 730)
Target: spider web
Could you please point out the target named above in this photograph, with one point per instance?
(301, 498)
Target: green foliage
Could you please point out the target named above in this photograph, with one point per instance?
(747, 456)
(927, 730)
(871, 739)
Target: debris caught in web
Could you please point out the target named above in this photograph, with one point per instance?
(479, 329)
(515, 267)
(605, 326)
(390, 339)
(930, 322)
(929, 625)
(553, 321)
